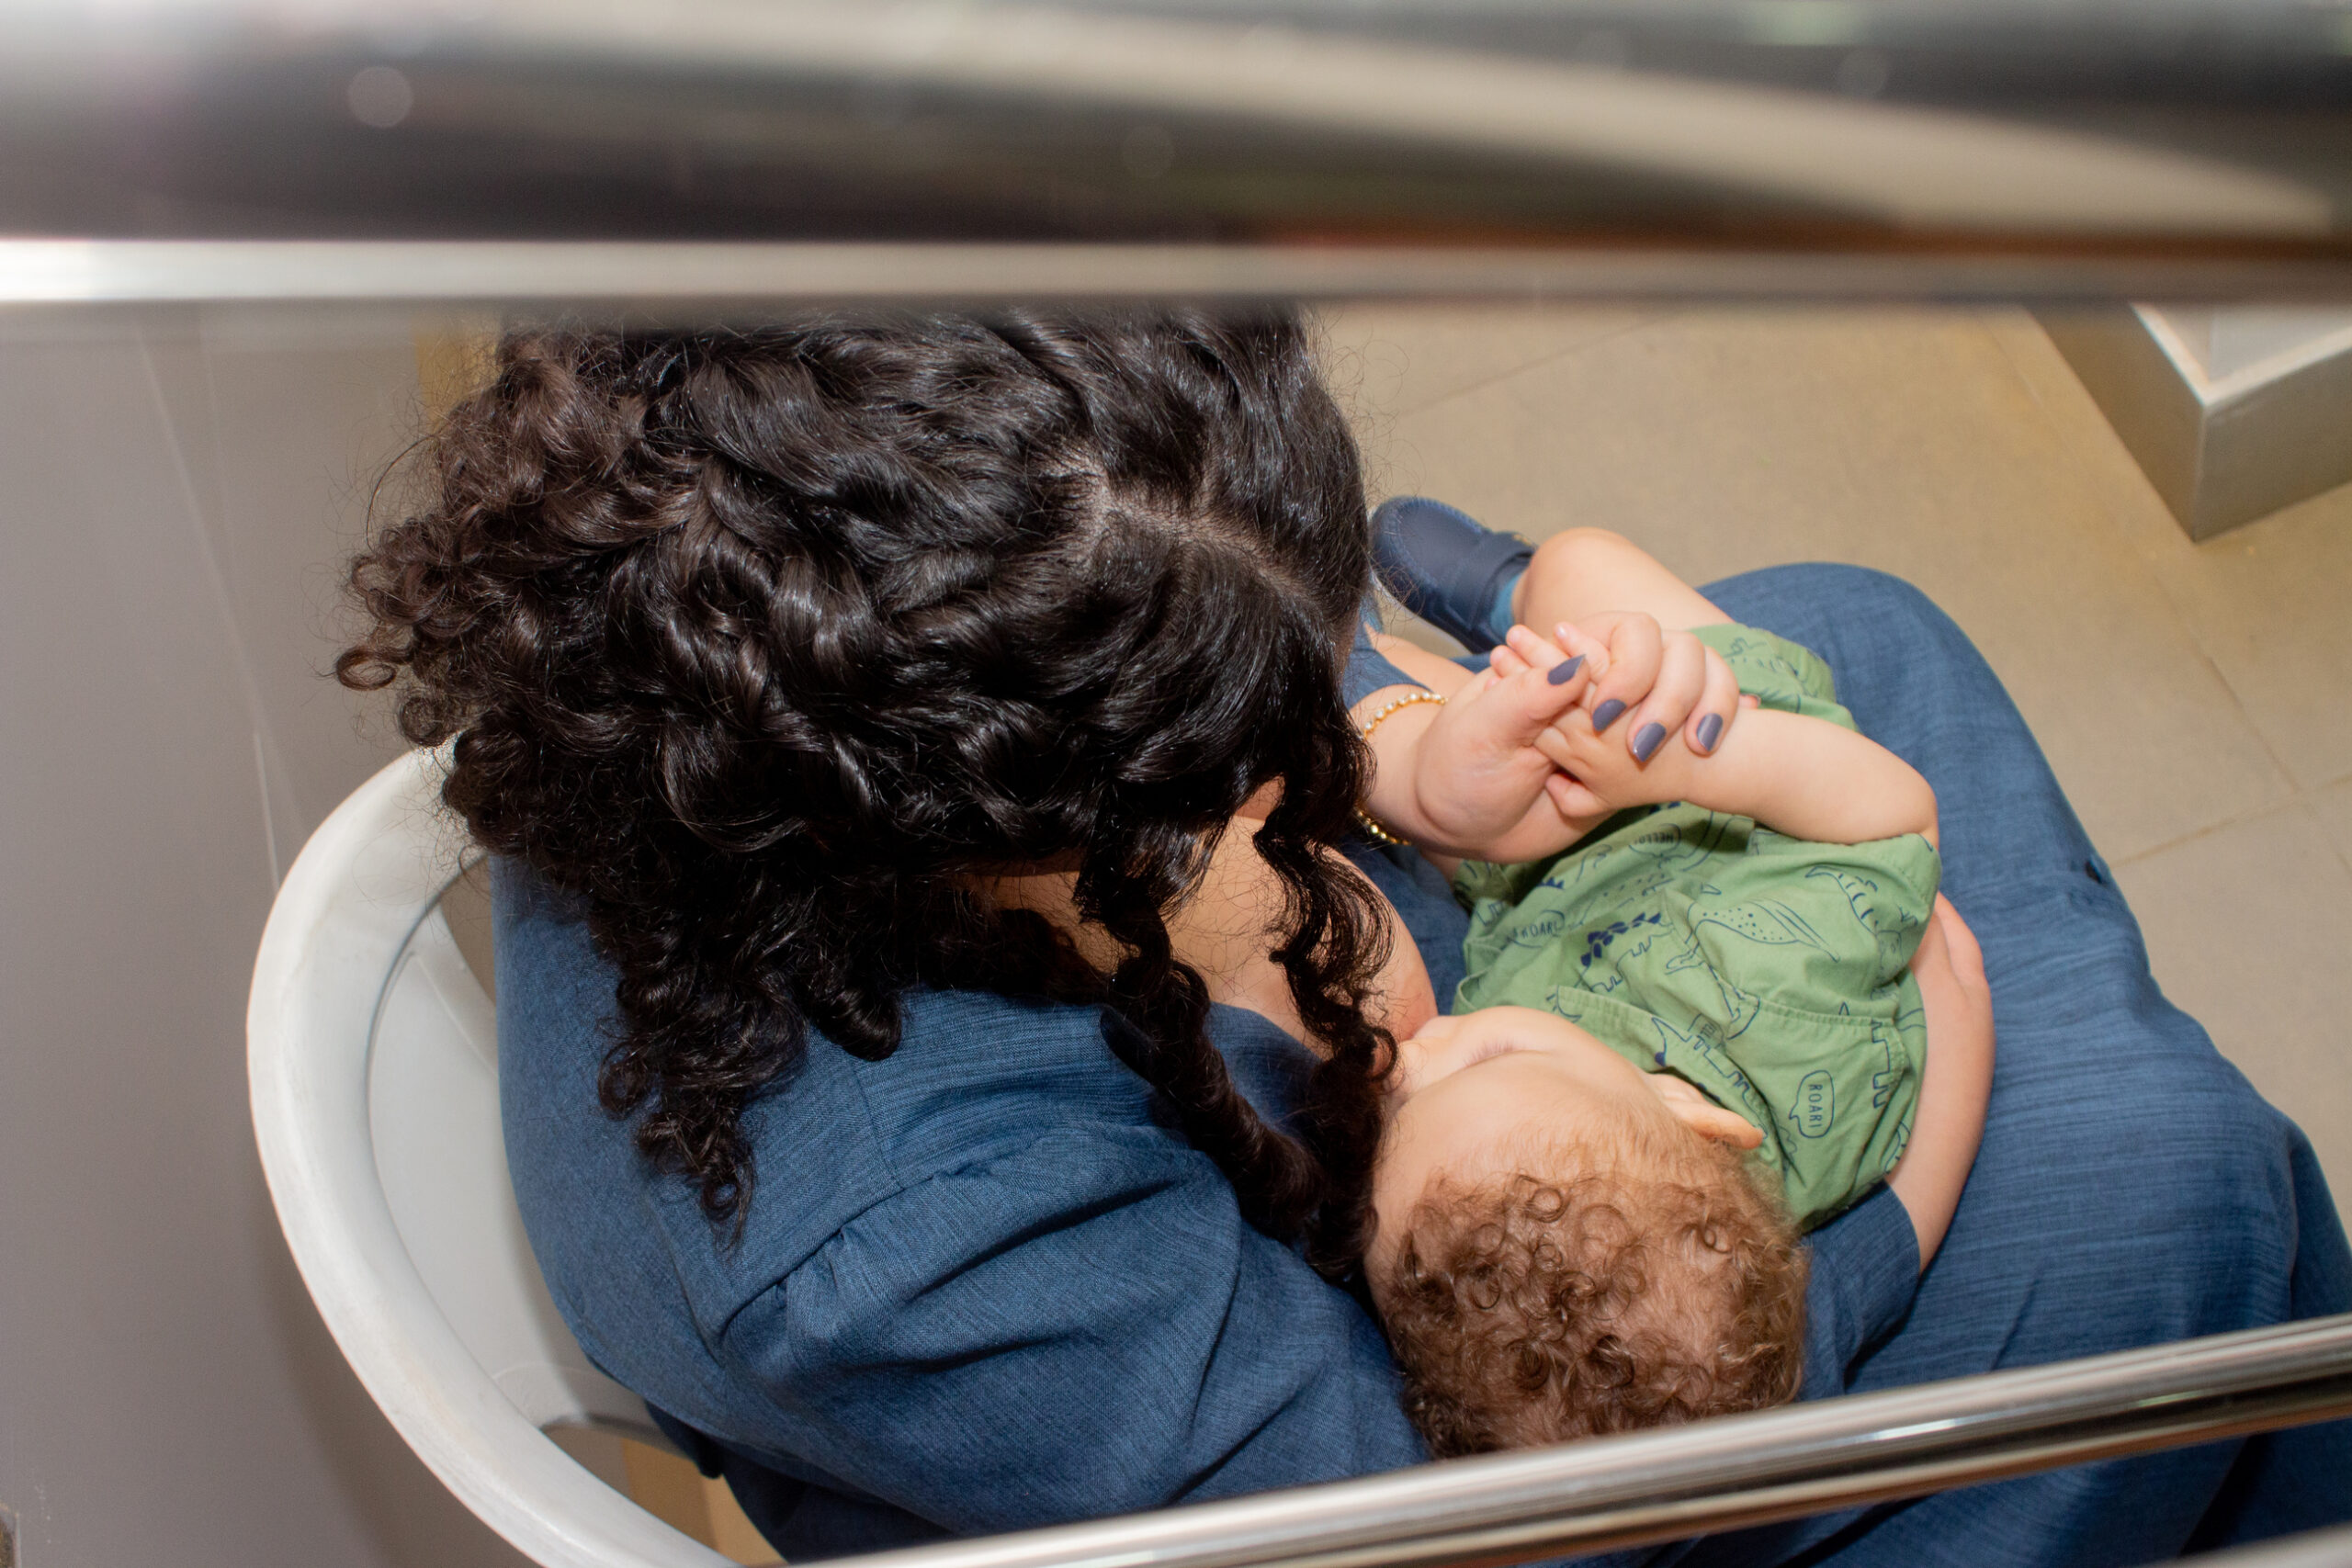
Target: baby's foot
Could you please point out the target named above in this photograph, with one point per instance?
(1448, 568)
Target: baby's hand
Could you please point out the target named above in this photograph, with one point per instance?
(1600, 774)
(1603, 771)
(1652, 680)
(1610, 758)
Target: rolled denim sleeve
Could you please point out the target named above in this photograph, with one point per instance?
(1086, 1327)
(1367, 671)
(1865, 1272)
(1083, 1327)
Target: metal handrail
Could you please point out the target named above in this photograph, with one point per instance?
(1285, 147)
(1727, 1473)
(696, 280)
(2319, 1548)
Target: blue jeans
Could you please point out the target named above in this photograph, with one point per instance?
(2133, 1186)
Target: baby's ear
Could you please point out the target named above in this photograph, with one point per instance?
(1702, 1115)
(1723, 1126)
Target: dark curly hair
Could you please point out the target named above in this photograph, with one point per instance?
(1594, 1298)
(773, 644)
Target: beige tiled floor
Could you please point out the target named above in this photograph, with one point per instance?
(2195, 699)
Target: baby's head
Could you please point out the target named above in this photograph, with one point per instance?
(1566, 1245)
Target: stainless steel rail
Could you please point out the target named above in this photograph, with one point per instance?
(2320, 1549)
(1722, 1474)
(706, 280)
(1467, 147)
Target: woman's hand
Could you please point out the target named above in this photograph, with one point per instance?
(1682, 693)
(1652, 680)
(1477, 781)
(1598, 774)
(1958, 1083)
(1479, 776)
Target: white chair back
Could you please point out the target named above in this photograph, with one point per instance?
(372, 1053)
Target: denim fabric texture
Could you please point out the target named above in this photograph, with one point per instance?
(2132, 1188)
(1366, 671)
(984, 1284)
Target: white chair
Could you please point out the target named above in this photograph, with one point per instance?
(373, 1059)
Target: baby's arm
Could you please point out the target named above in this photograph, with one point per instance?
(1805, 777)
(1958, 1083)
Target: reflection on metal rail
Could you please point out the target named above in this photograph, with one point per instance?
(1722, 1474)
(706, 279)
(2320, 1549)
(1980, 147)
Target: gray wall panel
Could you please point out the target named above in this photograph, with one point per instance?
(303, 424)
(173, 500)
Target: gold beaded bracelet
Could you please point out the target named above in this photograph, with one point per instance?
(1374, 830)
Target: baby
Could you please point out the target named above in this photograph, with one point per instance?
(1695, 1034)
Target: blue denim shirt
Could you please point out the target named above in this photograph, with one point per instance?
(984, 1283)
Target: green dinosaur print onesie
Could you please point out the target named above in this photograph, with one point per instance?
(1769, 972)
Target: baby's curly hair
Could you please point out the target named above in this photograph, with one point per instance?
(1656, 1287)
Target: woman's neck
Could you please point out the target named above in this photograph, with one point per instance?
(1223, 931)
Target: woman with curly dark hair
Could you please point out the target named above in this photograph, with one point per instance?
(901, 1097)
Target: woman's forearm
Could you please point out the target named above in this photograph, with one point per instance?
(1393, 799)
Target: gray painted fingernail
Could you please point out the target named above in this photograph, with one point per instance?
(1606, 714)
(1564, 673)
(1711, 729)
(1646, 740)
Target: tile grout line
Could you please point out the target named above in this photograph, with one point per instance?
(2076, 461)
(1539, 362)
(2255, 813)
(2343, 848)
